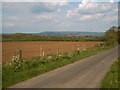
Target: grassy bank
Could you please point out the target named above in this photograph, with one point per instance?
(111, 78)
(25, 69)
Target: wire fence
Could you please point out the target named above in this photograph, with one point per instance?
(41, 49)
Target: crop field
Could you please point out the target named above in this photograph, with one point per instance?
(32, 49)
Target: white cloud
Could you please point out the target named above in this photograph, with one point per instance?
(99, 15)
(64, 2)
(44, 16)
(60, 3)
(8, 24)
(13, 18)
(111, 1)
(109, 19)
(71, 13)
(87, 10)
(58, 10)
(85, 6)
(87, 17)
(85, 1)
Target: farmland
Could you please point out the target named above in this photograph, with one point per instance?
(22, 69)
(29, 64)
(39, 37)
(32, 49)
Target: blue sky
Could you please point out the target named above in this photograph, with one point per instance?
(35, 17)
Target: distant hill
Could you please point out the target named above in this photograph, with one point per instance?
(54, 36)
(72, 33)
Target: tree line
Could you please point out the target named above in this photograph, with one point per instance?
(35, 37)
(111, 37)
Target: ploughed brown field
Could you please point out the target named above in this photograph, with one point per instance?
(32, 49)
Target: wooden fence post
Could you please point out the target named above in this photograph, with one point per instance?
(78, 47)
(41, 51)
(58, 51)
(19, 53)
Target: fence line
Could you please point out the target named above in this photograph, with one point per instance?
(27, 53)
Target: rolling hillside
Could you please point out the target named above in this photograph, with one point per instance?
(71, 33)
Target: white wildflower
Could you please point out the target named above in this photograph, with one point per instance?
(59, 55)
(10, 64)
(49, 57)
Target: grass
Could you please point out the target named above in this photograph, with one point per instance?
(111, 78)
(0, 76)
(39, 65)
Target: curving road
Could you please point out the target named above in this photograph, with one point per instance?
(86, 73)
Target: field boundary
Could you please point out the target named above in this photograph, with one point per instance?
(33, 49)
(35, 66)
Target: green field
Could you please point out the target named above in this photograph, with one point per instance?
(37, 37)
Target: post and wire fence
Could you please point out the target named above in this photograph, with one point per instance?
(42, 51)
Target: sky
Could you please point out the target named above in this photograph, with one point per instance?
(65, 15)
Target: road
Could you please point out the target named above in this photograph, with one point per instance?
(86, 73)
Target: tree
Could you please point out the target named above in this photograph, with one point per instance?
(111, 36)
(118, 34)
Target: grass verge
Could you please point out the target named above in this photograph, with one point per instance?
(29, 68)
(111, 78)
